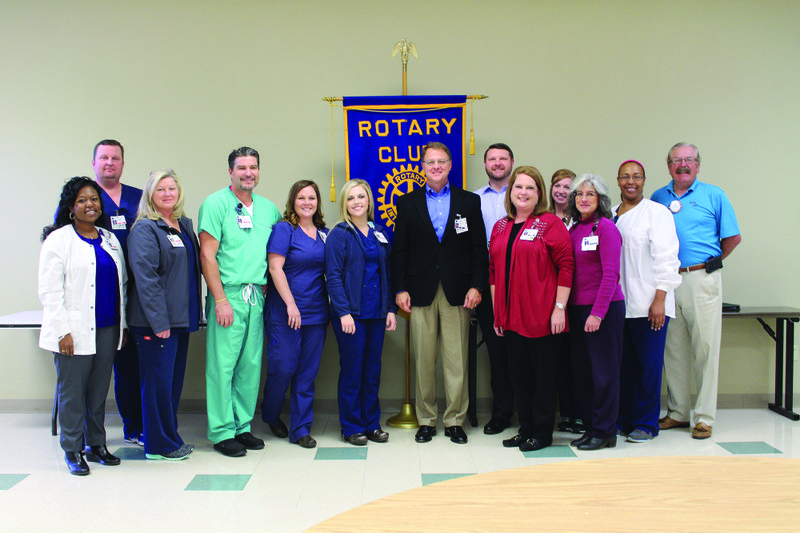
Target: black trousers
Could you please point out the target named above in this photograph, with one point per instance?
(532, 362)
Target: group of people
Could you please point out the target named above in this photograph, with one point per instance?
(612, 276)
(573, 298)
(120, 285)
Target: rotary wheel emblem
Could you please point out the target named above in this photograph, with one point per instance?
(399, 182)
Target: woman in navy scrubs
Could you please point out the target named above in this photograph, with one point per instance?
(296, 313)
(357, 267)
(163, 254)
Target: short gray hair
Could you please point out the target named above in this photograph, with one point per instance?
(682, 145)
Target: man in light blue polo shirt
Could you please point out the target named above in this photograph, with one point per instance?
(708, 233)
(498, 161)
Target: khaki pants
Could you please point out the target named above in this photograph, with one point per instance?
(444, 329)
(693, 341)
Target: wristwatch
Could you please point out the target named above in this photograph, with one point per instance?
(560, 306)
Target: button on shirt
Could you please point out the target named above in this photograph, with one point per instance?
(705, 217)
(493, 207)
(438, 208)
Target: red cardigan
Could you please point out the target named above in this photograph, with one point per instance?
(538, 267)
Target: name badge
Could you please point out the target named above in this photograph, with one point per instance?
(589, 244)
(529, 234)
(461, 224)
(111, 244)
(244, 221)
(118, 222)
(322, 235)
(381, 237)
(175, 241)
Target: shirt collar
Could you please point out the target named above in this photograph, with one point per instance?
(432, 194)
(488, 189)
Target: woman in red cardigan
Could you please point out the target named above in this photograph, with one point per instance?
(530, 276)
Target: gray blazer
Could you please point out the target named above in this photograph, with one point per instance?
(159, 296)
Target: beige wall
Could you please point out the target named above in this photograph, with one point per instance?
(573, 84)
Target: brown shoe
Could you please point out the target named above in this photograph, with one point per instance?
(701, 431)
(670, 423)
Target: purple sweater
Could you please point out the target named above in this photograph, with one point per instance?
(595, 280)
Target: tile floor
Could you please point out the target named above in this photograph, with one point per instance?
(284, 487)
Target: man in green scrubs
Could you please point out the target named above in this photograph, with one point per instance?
(235, 225)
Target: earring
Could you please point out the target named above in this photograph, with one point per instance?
(71, 215)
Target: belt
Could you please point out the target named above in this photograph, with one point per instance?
(692, 268)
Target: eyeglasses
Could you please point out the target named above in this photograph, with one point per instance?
(636, 177)
(679, 160)
(431, 162)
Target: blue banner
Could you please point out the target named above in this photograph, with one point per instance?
(384, 136)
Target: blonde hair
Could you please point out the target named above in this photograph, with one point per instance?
(344, 216)
(147, 208)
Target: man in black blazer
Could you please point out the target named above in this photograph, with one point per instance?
(439, 265)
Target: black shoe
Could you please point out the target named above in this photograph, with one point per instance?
(100, 454)
(306, 441)
(231, 448)
(513, 442)
(356, 439)
(77, 466)
(530, 445)
(577, 426)
(598, 443)
(425, 434)
(279, 429)
(456, 434)
(249, 441)
(565, 424)
(581, 440)
(495, 426)
(378, 435)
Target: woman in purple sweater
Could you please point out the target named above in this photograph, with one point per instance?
(596, 310)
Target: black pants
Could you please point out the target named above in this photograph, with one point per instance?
(502, 389)
(533, 373)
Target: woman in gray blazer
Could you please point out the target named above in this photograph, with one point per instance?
(164, 308)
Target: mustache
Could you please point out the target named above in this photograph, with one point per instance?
(683, 170)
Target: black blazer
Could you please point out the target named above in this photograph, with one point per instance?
(420, 261)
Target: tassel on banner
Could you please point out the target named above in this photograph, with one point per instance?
(333, 176)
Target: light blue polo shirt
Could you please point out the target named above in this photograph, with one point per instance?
(706, 217)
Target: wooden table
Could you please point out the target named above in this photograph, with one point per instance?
(626, 494)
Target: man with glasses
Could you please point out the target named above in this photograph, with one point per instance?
(234, 227)
(708, 233)
(439, 265)
(498, 161)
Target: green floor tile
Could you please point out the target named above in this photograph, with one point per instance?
(341, 454)
(428, 479)
(128, 453)
(9, 480)
(551, 451)
(218, 482)
(739, 448)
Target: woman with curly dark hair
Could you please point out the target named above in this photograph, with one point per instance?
(82, 281)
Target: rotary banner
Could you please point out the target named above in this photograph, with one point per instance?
(384, 136)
